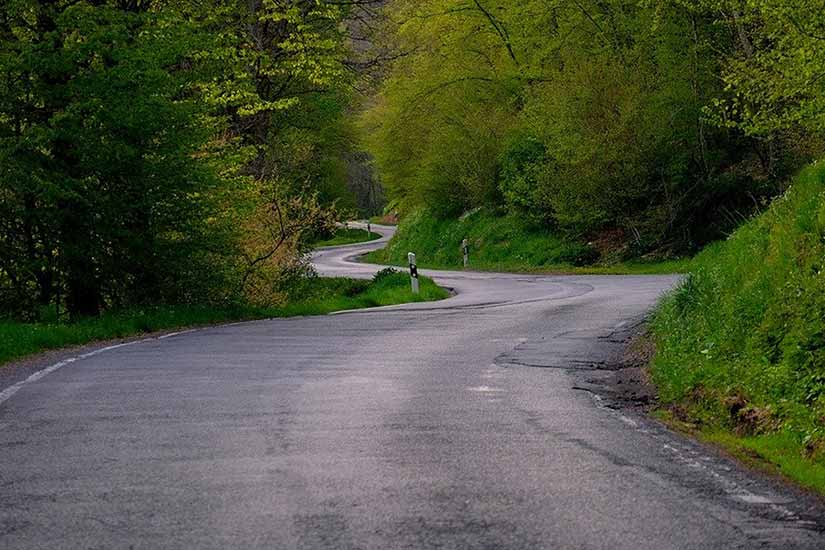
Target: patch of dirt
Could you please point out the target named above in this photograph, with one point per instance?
(611, 244)
(623, 382)
(390, 219)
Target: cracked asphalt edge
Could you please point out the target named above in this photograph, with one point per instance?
(622, 386)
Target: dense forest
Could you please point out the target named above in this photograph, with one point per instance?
(169, 151)
(660, 125)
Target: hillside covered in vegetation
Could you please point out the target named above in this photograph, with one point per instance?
(741, 344)
(646, 126)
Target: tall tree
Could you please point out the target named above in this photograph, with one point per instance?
(98, 132)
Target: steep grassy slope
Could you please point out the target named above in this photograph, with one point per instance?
(741, 345)
(497, 243)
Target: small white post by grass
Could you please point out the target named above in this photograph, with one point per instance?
(465, 249)
(413, 273)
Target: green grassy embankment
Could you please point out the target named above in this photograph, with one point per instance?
(741, 344)
(318, 296)
(499, 244)
(349, 235)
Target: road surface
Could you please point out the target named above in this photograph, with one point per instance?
(468, 423)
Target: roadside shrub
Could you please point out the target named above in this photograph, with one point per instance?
(523, 165)
(384, 274)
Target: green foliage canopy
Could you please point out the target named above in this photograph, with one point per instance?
(154, 151)
(652, 118)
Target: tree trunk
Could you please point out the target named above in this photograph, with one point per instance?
(83, 298)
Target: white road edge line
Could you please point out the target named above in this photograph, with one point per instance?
(730, 487)
(7, 394)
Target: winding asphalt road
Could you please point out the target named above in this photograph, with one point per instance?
(475, 422)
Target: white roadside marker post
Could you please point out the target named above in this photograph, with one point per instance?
(413, 273)
(465, 249)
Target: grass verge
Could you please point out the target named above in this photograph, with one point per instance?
(741, 344)
(500, 244)
(313, 297)
(776, 454)
(349, 236)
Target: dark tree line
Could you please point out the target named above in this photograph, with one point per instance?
(153, 151)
